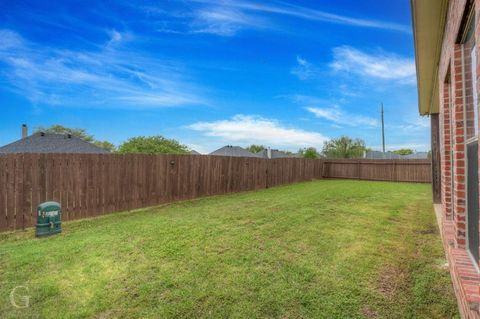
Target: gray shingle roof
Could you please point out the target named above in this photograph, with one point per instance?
(235, 151)
(51, 143)
(274, 154)
(417, 155)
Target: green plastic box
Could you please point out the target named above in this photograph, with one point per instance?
(49, 219)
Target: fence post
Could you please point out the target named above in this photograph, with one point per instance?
(358, 169)
(266, 173)
(395, 175)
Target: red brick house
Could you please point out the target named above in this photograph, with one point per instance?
(447, 49)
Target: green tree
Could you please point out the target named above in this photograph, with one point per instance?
(60, 129)
(255, 148)
(344, 147)
(152, 145)
(105, 145)
(404, 151)
(309, 152)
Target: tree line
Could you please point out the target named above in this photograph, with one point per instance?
(341, 147)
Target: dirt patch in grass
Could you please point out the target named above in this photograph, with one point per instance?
(390, 281)
(247, 222)
(411, 283)
(368, 312)
(394, 219)
(274, 209)
(427, 231)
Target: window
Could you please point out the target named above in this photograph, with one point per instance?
(471, 131)
(470, 81)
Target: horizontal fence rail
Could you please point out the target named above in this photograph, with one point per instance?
(89, 185)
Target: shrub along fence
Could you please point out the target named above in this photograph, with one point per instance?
(90, 185)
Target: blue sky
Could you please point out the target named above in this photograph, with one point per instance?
(211, 72)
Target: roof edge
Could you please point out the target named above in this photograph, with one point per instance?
(428, 23)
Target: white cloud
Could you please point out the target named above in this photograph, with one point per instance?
(227, 17)
(304, 69)
(198, 148)
(331, 114)
(379, 66)
(283, 8)
(222, 21)
(418, 123)
(214, 18)
(249, 129)
(115, 36)
(336, 115)
(106, 77)
(9, 39)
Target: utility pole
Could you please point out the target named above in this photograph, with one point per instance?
(383, 131)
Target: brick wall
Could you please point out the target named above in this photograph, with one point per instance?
(446, 147)
(457, 123)
(458, 147)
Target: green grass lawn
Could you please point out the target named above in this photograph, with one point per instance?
(324, 249)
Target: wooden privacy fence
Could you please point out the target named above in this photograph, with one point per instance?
(90, 185)
(415, 171)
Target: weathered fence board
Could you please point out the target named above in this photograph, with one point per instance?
(93, 185)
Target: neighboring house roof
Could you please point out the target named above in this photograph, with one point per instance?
(391, 155)
(274, 154)
(418, 155)
(51, 143)
(234, 151)
(429, 18)
(380, 155)
(193, 152)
